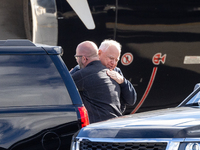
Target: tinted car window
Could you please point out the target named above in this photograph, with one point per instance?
(194, 99)
(17, 73)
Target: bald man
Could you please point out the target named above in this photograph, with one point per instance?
(99, 92)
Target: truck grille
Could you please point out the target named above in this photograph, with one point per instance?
(87, 145)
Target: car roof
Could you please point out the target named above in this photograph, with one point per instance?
(27, 47)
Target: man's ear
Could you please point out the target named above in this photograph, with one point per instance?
(84, 59)
(99, 52)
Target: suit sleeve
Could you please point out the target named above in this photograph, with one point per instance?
(76, 68)
(128, 94)
(78, 79)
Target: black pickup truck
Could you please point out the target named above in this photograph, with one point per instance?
(40, 107)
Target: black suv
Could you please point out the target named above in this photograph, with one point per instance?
(40, 107)
(166, 129)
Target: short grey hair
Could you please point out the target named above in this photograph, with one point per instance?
(107, 43)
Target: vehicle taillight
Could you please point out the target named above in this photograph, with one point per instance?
(84, 116)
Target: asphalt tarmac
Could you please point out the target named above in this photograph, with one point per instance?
(11, 20)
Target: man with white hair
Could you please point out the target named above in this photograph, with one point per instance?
(109, 55)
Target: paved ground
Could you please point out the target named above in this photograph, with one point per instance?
(11, 20)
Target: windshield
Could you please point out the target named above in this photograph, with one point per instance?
(193, 99)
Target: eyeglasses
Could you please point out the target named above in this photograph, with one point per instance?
(76, 56)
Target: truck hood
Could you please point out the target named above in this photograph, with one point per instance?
(166, 123)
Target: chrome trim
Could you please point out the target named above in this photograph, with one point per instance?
(77, 145)
(45, 24)
(192, 140)
(132, 139)
(172, 143)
